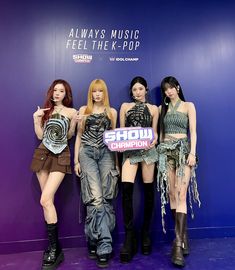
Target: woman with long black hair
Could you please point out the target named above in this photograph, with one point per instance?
(177, 160)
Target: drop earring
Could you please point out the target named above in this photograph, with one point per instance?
(166, 103)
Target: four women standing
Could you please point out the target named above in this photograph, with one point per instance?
(98, 169)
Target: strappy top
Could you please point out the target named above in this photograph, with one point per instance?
(138, 116)
(175, 121)
(95, 126)
(55, 133)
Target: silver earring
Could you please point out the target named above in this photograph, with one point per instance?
(166, 103)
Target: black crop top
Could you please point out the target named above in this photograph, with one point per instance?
(138, 116)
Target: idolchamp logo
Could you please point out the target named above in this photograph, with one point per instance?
(123, 59)
(122, 139)
(82, 58)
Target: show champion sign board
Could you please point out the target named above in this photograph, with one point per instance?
(122, 139)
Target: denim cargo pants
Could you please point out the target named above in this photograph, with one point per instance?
(99, 186)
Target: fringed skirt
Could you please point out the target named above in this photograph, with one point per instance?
(173, 154)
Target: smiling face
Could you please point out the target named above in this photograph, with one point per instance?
(139, 92)
(59, 93)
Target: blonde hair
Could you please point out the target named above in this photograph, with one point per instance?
(101, 85)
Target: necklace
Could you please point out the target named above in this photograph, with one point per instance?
(59, 109)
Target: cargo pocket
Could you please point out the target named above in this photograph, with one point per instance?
(39, 159)
(111, 185)
(87, 196)
(64, 159)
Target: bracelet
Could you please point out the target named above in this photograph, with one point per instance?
(76, 163)
(192, 154)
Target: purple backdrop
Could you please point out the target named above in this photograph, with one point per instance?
(191, 40)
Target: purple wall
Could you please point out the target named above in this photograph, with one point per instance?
(191, 40)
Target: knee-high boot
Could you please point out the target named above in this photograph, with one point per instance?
(129, 247)
(54, 255)
(177, 251)
(185, 239)
(146, 245)
(185, 235)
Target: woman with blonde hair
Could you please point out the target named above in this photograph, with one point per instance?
(96, 165)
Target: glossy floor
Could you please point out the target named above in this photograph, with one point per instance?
(206, 254)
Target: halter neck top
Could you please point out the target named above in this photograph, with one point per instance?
(55, 133)
(175, 121)
(138, 116)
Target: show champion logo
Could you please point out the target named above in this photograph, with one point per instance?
(122, 139)
(82, 58)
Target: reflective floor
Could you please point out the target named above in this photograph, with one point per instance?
(206, 254)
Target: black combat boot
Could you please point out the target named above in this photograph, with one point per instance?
(53, 256)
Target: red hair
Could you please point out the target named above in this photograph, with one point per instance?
(49, 103)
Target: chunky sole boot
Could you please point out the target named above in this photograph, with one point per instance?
(146, 245)
(92, 250)
(129, 248)
(103, 260)
(185, 246)
(54, 255)
(177, 255)
(177, 251)
(55, 264)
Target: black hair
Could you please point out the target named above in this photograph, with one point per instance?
(138, 79)
(166, 82)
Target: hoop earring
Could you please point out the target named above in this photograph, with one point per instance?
(166, 103)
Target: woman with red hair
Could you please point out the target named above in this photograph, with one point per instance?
(54, 124)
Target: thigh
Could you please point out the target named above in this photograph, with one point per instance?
(90, 175)
(106, 162)
(183, 181)
(53, 182)
(171, 176)
(147, 172)
(129, 171)
(42, 178)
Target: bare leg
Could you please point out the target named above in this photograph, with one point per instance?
(47, 198)
(181, 191)
(42, 178)
(172, 187)
(129, 171)
(147, 172)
